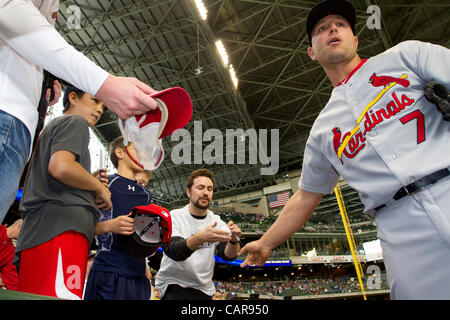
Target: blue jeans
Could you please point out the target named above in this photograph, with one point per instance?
(15, 140)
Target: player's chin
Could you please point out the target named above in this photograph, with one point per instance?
(337, 56)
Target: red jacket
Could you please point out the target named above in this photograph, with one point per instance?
(8, 271)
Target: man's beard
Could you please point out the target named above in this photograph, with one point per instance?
(198, 205)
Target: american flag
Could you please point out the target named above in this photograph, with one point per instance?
(278, 200)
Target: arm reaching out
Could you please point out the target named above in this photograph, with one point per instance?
(124, 96)
(294, 215)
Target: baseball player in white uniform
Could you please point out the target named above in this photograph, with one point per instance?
(380, 133)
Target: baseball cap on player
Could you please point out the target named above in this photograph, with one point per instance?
(152, 229)
(327, 7)
(146, 131)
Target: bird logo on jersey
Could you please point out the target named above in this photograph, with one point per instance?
(352, 142)
(378, 81)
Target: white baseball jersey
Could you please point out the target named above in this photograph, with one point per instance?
(378, 131)
(197, 270)
(28, 43)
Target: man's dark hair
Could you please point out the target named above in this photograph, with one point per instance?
(199, 173)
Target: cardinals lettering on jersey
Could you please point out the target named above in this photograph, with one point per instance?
(352, 142)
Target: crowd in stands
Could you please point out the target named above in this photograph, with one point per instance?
(258, 222)
(249, 221)
(337, 227)
(299, 287)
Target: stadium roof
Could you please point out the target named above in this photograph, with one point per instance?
(166, 43)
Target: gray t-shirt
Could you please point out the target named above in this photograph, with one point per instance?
(48, 206)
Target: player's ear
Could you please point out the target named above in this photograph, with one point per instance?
(311, 53)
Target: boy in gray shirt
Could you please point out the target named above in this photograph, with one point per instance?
(60, 204)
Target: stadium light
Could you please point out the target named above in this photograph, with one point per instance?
(222, 52)
(226, 61)
(233, 76)
(201, 9)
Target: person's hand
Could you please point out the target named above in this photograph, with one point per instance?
(211, 234)
(12, 232)
(155, 292)
(102, 198)
(102, 175)
(257, 253)
(122, 225)
(126, 96)
(148, 274)
(57, 89)
(235, 231)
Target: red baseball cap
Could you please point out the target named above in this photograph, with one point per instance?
(146, 131)
(179, 109)
(152, 229)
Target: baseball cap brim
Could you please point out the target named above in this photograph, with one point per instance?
(179, 111)
(325, 8)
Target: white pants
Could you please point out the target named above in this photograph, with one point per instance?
(415, 239)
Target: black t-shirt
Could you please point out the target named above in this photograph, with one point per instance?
(48, 206)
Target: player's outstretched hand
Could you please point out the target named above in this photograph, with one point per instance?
(257, 253)
(126, 96)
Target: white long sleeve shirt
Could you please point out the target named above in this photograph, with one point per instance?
(30, 43)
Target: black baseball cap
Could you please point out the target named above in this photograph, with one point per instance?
(327, 7)
(152, 230)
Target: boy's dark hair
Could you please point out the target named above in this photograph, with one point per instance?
(199, 173)
(116, 143)
(70, 89)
